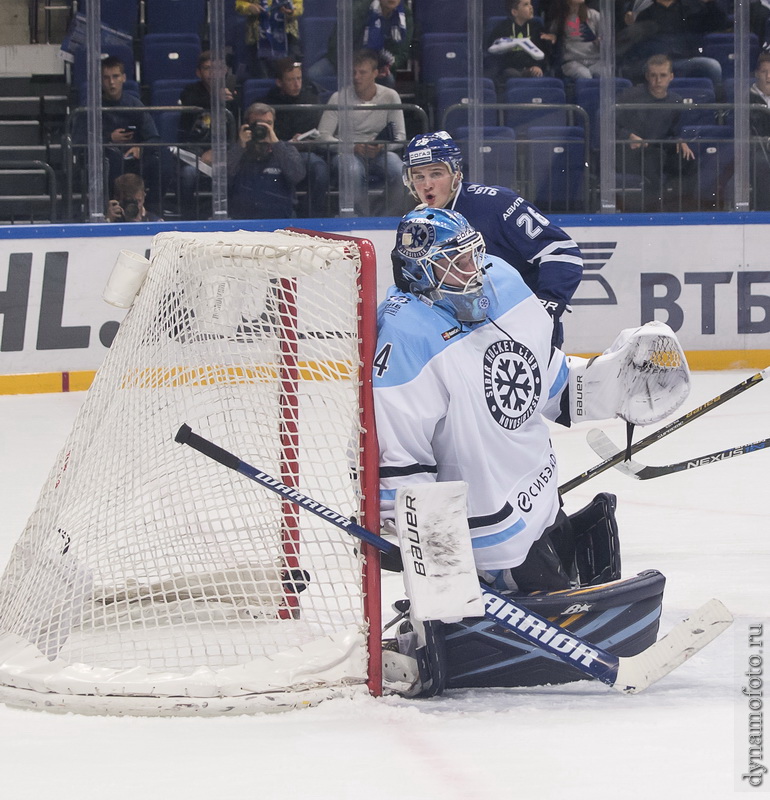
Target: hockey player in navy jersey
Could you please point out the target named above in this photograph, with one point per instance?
(513, 229)
(465, 379)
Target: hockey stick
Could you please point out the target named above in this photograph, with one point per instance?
(657, 435)
(604, 447)
(630, 674)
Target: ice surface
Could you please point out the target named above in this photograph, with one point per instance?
(686, 737)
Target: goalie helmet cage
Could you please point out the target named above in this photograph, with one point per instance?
(151, 580)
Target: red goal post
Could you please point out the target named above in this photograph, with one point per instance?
(370, 488)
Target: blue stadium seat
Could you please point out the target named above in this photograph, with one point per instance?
(728, 88)
(327, 86)
(679, 85)
(255, 89)
(558, 164)
(166, 92)
(123, 15)
(553, 83)
(321, 8)
(167, 56)
(695, 90)
(122, 51)
(453, 91)
(587, 97)
(235, 40)
(314, 33)
(713, 146)
(441, 16)
(167, 123)
(120, 15)
(443, 55)
(535, 94)
(498, 152)
(175, 16)
(490, 24)
(721, 46)
(495, 8)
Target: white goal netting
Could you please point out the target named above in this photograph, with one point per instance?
(151, 579)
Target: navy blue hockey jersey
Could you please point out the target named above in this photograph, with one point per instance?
(514, 230)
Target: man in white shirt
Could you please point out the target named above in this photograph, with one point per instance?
(377, 133)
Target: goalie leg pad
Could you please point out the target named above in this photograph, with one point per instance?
(597, 546)
(480, 654)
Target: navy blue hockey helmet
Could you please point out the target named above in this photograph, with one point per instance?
(432, 148)
(443, 261)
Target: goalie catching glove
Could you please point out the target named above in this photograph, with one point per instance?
(642, 378)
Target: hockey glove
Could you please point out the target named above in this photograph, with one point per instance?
(555, 309)
(642, 378)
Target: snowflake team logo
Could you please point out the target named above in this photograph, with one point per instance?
(417, 238)
(512, 383)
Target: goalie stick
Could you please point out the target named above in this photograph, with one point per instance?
(659, 434)
(627, 674)
(605, 448)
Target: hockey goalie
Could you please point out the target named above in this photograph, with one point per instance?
(465, 380)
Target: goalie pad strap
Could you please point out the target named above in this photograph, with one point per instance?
(597, 545)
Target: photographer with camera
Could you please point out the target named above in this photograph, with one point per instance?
(127, 203)
(262, 171)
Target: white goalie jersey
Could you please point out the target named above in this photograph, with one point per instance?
(469, 403)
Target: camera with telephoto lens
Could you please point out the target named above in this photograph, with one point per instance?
(258, 132)
(130, 209)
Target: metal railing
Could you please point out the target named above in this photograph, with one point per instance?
(73, 153)
(35, 166)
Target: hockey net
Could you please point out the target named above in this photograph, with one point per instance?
(151, 580)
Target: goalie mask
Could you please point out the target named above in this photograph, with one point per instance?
(432, 148)
(443, 261)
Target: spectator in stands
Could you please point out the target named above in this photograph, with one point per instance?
(195, 127)
(125, 127)
(290, 125)
(676, 27)
(195, 134)
(385, 26)
(262, 171)
(127, 203)
(272, 32)
(576, 29)
(654, 149)
(377, 133)
(518, 47)
(759, 115)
